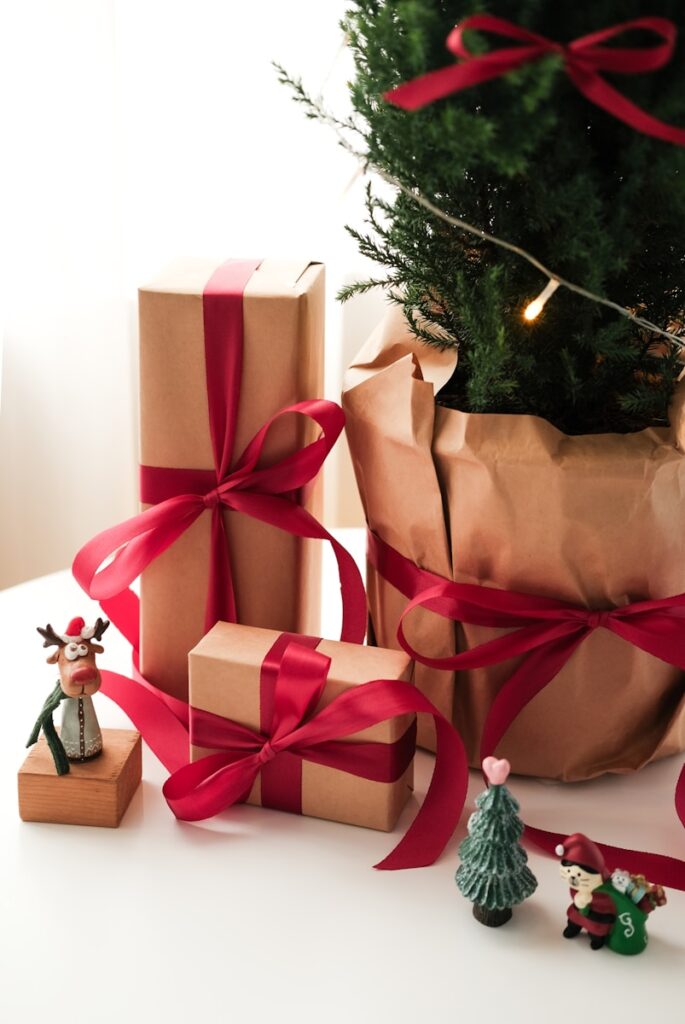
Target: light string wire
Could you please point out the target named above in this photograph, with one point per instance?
(456, 222)
(367, 164)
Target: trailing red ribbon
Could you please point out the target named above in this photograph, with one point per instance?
(266, 493)
(203, 788)
(583, 59)
(546, 632)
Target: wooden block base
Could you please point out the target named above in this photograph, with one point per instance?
(96, 792)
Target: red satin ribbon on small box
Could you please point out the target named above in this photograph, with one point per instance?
(292, 681)
(583, 59)
(546, 632)
(199, 789)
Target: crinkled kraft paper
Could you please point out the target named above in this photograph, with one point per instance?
(509, 501)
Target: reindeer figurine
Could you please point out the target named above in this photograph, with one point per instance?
(80, 738)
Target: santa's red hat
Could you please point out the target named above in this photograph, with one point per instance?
(582, 851)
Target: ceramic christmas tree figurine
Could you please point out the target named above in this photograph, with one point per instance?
(80, 738)
(612, 909)
(494, 872)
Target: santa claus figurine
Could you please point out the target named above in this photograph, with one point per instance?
(592, 908)
(600, 906)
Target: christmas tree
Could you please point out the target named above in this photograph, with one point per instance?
(528, 158)
(494, 872)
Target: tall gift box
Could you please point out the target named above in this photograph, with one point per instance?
(277, 317)
(232, 677)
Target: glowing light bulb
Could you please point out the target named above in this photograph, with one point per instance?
(534, 308)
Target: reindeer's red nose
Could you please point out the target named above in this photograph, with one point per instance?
(84, 675)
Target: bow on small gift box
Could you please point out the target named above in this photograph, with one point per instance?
(295, 729)
(297, 732)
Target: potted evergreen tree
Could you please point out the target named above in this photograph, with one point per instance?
(538, 454)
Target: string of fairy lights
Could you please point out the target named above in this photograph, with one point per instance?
(535, 306)
(554, 280)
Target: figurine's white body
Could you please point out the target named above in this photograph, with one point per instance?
(80, 733)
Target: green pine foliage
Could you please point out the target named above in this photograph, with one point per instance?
(528, 158)
(494, 870)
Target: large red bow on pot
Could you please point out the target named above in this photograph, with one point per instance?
(545, 632)
(203, 788)
(584, 59)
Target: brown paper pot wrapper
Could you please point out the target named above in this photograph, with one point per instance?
(225, 680)
(511, 502)
(275, 575)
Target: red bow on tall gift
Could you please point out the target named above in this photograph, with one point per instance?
(584, 59)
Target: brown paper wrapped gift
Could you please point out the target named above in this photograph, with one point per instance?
(225, 672)
(511, 502)
(275, 575)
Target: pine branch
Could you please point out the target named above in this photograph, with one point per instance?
(528, 159)
(361, 287)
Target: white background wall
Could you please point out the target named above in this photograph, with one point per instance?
(138, 131)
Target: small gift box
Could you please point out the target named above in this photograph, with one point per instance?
(234, 673)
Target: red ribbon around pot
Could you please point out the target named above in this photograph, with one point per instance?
(292, 681)
(584, 59)
(546, 632)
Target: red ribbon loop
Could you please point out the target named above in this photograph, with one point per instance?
(203, 788)
(583, 61)
(545, 632)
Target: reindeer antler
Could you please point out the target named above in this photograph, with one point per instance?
(50, 638)
(100, 627)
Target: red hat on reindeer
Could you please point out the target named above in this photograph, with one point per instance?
(77, 630)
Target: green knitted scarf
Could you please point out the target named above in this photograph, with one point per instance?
(45, 722)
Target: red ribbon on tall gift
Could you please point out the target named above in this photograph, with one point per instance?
(583, 59)
(546, 632)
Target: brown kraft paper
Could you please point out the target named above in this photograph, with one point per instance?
(225, 680)
(509, 501)
(275, 575)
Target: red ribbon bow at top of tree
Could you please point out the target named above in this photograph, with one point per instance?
(584, 59)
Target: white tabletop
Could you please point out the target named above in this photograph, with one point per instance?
(262, 916)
